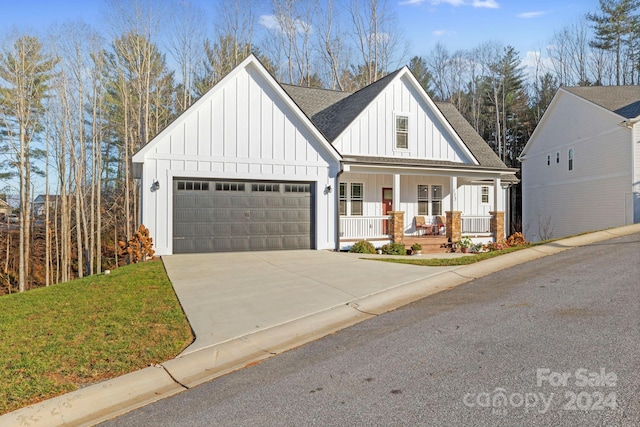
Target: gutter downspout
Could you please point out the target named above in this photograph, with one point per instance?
(337, 206)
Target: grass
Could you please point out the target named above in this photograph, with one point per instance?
(70, 335)
(450, 262)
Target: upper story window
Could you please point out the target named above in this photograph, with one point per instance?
(402, 132)
(548, 159)
(570, 159)
(557, 157)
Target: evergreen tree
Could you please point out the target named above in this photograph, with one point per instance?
(616, 30)
(420, 70)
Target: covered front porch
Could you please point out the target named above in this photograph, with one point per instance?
(383, 205)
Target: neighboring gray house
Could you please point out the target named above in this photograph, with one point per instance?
(41, 201)
(581, 166)
(256, 165)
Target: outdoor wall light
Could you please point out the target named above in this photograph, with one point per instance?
(328, 189)
(155, 186)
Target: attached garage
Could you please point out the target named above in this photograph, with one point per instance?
(225, 215)
(242, 169)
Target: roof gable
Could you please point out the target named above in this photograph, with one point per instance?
(621, 100)
(611, 101)
(250, 64)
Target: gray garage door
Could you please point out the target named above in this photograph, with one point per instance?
(223, 216)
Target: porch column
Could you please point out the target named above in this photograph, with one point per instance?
(453, 199)
(454, 226)
(396, 192)
(397, 228)
(497, 224)
(497, 195)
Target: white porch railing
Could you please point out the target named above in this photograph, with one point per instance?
(476, 224)
(365, 227)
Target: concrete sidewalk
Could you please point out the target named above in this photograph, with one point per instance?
(247, 307)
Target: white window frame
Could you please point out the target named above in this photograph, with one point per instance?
(423, 198)
(484, 194)
(346, 198)
(397, 132)
(570, 159)
(433, 200)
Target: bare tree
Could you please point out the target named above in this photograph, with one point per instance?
(331, 47)
(25, 70)
(378, 40)
(186, 46)
(569, 52)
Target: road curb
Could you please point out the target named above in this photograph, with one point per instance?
(100, 402)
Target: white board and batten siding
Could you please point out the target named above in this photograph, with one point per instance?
(242, 129)
(559, 202)
(372, 133)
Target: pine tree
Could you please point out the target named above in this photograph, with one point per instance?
(616, 30)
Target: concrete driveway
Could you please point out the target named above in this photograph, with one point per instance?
(228, 295)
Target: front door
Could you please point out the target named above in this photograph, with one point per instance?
(387, 207)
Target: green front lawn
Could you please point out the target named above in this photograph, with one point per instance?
(70, 335)
(449, 262)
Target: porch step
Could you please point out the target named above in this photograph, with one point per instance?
(430, 244)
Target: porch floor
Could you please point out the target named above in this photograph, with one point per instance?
(430, 244)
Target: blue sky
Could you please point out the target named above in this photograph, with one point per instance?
(458, 24)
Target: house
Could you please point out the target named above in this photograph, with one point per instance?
(5, 208)
(41, 201)
(581, 166)
(256, 165)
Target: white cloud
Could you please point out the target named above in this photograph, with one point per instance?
(410, 2)
(451, 2)
(534, 63)
(529, 15)
(490, 4)
(270, 22)
(440, 33)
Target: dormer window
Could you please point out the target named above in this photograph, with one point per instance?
(402, 132)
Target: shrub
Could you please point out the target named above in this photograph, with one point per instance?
(497, 246)
(516, 239)
(139, 247)
(416, 247)
(363, 247)
(394, 249)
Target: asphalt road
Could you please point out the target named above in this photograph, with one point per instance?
(552, 342)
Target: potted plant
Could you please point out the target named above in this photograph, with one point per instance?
(416, 248)
(465, 243)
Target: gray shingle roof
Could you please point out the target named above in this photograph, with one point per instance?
(332, 111)
(313, 100)
(622, 100)
(474, 142)
(332, 119)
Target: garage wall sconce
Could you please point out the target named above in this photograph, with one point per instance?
(155, 186)
(327, 189)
